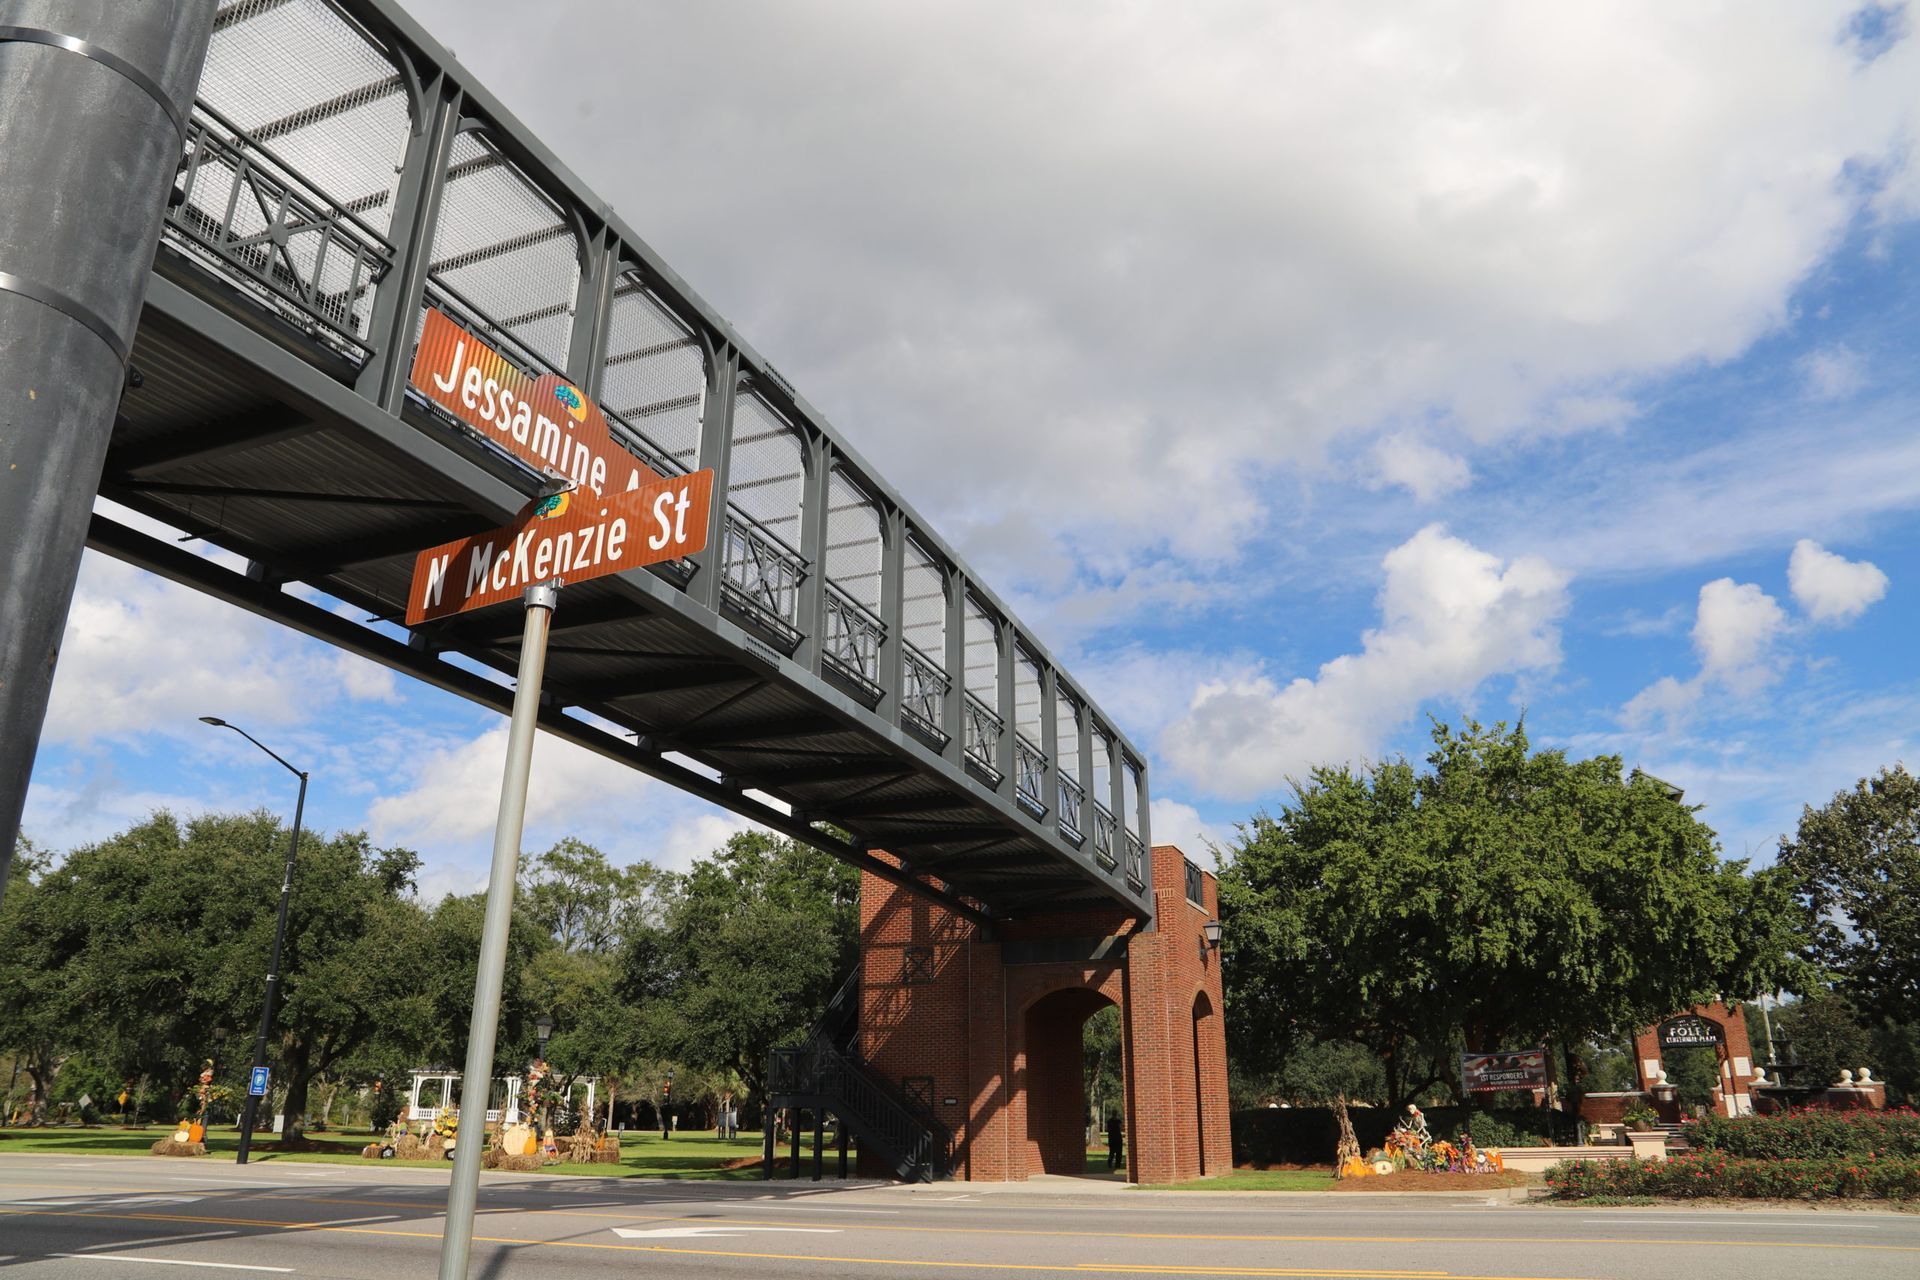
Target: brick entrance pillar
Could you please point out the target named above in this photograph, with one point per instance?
(988, 1030)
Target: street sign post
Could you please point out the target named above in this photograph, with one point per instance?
(576, 536)
(257, 1083)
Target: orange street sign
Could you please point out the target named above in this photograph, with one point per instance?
(573, 536)
(546, 422)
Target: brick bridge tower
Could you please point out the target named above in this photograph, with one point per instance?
(984, 1030)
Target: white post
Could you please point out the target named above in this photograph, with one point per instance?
(464, 1193)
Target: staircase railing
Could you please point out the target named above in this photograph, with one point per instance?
(913, 1144)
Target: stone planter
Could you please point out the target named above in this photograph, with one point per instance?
(1648, 1146)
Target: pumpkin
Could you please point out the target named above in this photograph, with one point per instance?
(1383, 1167)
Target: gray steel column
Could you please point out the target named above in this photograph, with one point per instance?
(816, 496)
(1146, 830)
(416, 208)
(1003, 757)
(954, 721)
(1050, 741)
(94, 97)
(716, 432)
(893, 612)
(587, 343)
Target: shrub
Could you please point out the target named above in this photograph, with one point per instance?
(1810, 1134)
(1719, 1176)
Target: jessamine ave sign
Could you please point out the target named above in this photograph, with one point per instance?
(574, 536)
(546, 422)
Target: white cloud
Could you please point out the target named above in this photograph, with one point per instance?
(1452, 616)
(1833, 373)
(1735, 628)
(1734, 632)
(143, 655)
(1422, 469)
(1181, 825)
(1213, 237)
(1832, 588)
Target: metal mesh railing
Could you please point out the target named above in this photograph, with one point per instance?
(302, 77)
(1029, 774)
(923, 693)
(507, 249)
(248, 216)
(1071, 798)
(851, 639)
(766, 468)
(1103, 833)
(654, 379)
(760, 576)
(852, 554)
(982, 744)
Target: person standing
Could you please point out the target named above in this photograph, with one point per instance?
(1116, 1138)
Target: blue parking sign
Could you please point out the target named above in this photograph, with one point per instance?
(258, 1085)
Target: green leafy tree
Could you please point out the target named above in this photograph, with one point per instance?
(1856, 864)
(585, 902)
(1498, 898)
(1825, 1035)
(1101, 1054)
(752, 943)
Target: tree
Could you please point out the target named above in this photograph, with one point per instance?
(1826, 1037)
(753, 941)
(160, 937)
(1497, 899)
(573, 893)
(1856, 865)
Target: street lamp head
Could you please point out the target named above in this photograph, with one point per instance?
(215, 721)
(1212, 929)
(543, 1026)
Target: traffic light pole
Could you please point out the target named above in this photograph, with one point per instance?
(464, 1193)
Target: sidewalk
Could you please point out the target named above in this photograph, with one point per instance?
(1057, 1185)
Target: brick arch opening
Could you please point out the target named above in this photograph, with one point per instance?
(1054, 1074)
(1208, 1064)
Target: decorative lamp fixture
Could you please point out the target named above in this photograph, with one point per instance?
(543, 1027)
(1212, 930)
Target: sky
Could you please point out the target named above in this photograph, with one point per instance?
(1298, 372)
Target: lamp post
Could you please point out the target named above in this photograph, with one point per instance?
(279, 936)
(543, 1027)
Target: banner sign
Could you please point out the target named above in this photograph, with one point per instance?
(572, 536)
(1688, 1030)
(1509, 1069)
(546, 422)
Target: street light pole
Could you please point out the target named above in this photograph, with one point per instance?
(279, 937)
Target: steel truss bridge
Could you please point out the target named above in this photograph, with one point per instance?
(827, 665)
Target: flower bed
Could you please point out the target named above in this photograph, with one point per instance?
(1716, 1175)
(1810, 1134)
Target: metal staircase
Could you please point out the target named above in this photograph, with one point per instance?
(825, 1076)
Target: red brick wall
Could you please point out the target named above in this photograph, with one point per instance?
(1004, 1041)
(1736, 1059)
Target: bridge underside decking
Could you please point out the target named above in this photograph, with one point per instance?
(232, 437)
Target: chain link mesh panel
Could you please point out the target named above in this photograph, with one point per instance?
(1066, 747)
(1026, 697)
(854, 542)
(655, 378)
(766, 468)
(924, 604)
(307, 81)
(1130, 798)
(983, 655)
(505, 252)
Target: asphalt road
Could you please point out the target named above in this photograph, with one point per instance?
(114, 1218)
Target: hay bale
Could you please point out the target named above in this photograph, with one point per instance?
(168, 1147)
(409, 1148)
(370, 1152)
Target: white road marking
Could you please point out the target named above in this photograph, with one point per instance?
(1785, 1224)
(167, 1262)
(822, 1208)
(718, 1229)
(135, 1244)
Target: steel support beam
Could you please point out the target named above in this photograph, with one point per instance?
(93, 94)
(168, 561)
(209, 443)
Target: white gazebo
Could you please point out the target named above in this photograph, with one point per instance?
(434, 1089)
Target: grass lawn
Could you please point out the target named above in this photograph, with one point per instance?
(642, 1155)
(1258, 1180)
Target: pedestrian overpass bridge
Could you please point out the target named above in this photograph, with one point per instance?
(828, 666)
